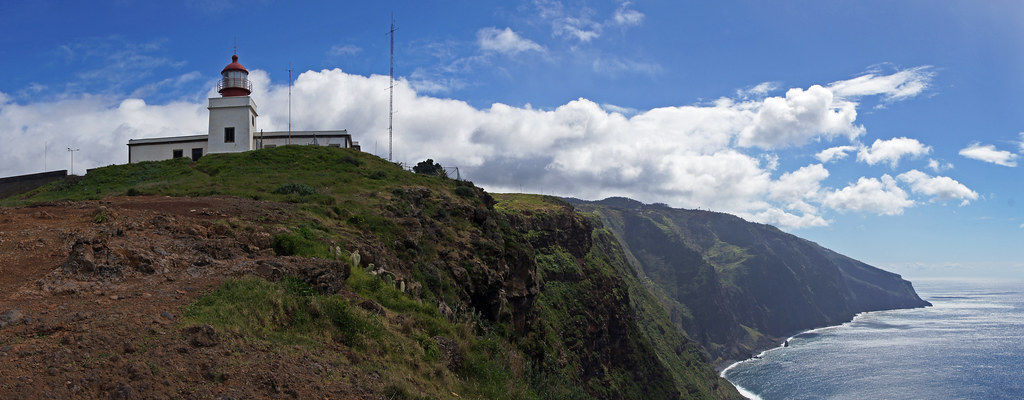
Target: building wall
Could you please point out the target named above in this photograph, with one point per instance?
(238, 112)
(16, 185)
(303, 139)
(163, 151)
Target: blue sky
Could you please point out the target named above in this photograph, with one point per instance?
(678, 102)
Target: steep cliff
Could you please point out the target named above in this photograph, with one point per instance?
(736, 286)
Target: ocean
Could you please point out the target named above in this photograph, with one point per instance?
(968, 345)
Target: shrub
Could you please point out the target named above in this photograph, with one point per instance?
(378, 175)
(133, 192)
(429, 167)
(302, 242)
(344, 320)
(301, 189)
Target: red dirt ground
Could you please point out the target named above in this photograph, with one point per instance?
(116, 333)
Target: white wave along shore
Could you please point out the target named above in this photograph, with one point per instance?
(753, 396)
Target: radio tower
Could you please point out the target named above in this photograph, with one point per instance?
(391, 87)
(289, 103)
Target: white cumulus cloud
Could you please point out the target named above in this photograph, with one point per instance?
(989, 153)
(834, 153)
(799, 116)
(686, 156)
(939, 188)
(505, 41)
(892, 150)
(880, 196)
(938, 166)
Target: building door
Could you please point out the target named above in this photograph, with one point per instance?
(196, 153)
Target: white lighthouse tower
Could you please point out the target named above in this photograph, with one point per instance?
(233, 115)
(232, 127)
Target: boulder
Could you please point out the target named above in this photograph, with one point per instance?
(326, 276)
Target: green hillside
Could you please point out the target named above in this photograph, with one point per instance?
(503, 297)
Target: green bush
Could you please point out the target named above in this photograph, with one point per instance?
(301, 189)
(344, 320)
(429, 167)
(301, 242)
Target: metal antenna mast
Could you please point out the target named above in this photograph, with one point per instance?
(289, 103)
(391, 87)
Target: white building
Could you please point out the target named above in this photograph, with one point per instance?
(232, 127)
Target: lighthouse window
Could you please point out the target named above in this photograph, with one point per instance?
(229, 135)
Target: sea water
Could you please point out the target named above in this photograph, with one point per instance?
(968, 345)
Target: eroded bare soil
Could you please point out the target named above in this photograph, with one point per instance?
(91, 292)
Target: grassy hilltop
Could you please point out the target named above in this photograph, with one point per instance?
(439, 290)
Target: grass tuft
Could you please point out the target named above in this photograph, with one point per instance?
(303, 242)
(288, 312)
(301, 189)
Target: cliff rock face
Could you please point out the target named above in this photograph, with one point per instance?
(736, 286)
(593, 321)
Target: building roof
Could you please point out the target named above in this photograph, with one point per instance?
(234, 66)
(256, 135)
(168, 139)
(275, 134)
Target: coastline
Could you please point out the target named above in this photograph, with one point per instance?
(964, 346)
(753, 396)
(779, 344)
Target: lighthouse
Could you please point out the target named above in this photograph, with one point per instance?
(232, 127)
(233, 114)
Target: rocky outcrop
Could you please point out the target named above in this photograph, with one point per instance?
(326, 276)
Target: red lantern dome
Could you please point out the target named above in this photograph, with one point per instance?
(234, 80)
